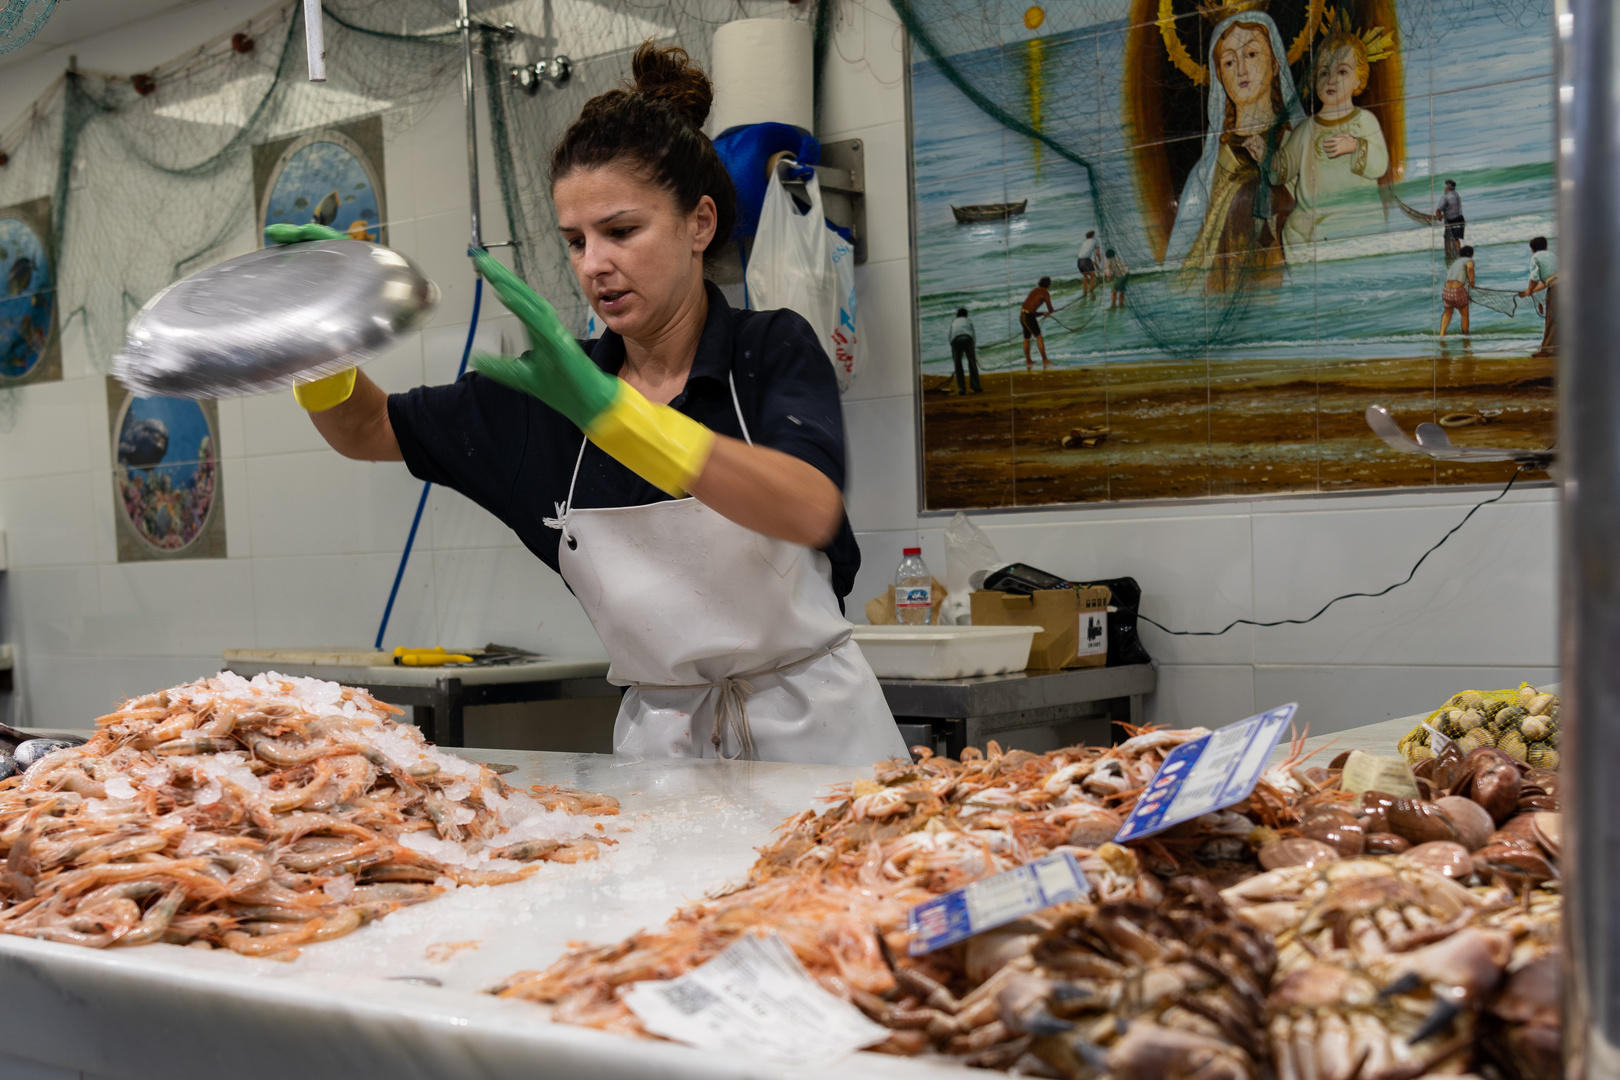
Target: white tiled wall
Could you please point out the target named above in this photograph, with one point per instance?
(314, 540)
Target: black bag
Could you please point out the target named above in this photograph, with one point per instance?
(1124, 644)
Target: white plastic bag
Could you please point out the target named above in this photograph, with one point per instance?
(799, 263)
(967, 551)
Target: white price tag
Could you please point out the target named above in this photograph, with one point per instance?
(754, 998)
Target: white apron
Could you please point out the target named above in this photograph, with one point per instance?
(730, 643)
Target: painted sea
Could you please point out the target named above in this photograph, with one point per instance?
(1352, 320)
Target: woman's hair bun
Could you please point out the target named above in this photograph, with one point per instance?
(669, 74)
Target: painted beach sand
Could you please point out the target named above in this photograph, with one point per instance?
(1243, 348)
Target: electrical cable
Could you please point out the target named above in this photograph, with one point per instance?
(1347, 596)
(421, 504)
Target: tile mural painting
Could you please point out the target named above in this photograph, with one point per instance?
(167, 498)
(1241, 217)
(30, 336)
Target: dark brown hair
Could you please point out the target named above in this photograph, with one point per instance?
(655, 121)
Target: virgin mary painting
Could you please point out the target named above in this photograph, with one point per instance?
(1229, 215)
(1208, 96)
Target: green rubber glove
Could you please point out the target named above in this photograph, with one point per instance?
(332, 391)
(556, 370)
(283, 233)
(662, 445)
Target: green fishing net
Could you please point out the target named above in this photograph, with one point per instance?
(133, 183)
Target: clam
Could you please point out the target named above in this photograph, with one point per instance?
(1548, 829)
(1296, 851)
(1420, 821)
(8, 767)
(1495, 785)
(1535, 728)
(1337, 828)
(1539, 704)
(1469, 699)
(1467, 720)
(1383, 843)
(1473, 824)
(1443, 857)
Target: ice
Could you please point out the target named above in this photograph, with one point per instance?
(458, 791)
(339, 888)
(436, 848)
(119, 787)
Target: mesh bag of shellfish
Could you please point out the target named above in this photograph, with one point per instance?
(1521, 723)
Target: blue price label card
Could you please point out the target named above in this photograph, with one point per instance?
(1207, 774)
(995, 901)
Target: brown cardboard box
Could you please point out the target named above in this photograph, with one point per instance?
(1073, 622)
(880, 609)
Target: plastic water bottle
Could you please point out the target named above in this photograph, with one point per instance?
(913, 590)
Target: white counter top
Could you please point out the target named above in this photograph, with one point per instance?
(162, 1011)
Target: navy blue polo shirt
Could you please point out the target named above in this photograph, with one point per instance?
(514, 455)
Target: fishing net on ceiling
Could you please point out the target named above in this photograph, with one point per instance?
(1117, 115)
(129, 181)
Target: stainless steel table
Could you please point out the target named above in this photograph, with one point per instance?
(965, 712)
(438, 695)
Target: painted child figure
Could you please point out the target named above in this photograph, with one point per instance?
(1332, 162)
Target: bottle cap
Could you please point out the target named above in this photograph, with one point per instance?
(911, 551)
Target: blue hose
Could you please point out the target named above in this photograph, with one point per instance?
(421, 504)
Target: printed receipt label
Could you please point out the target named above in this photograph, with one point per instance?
(1207, 774)
(754, 998)
(995, 901)
(1372, 772)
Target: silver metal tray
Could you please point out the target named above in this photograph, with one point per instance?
(276, 317)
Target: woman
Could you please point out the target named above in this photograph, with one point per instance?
(1454, 294)
(721, 612)
(1229, 216)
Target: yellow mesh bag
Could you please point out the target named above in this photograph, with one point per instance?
(1522, 723)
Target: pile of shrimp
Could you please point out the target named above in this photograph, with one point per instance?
(1167, 971)
(838, 885)
(260, 816)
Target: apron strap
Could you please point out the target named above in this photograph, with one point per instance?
(731, 709)
(561, 520)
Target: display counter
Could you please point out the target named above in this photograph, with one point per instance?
(401, 998)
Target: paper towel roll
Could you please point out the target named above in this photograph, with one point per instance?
(763, 71)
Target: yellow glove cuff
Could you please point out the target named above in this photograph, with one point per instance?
(662, 445)
(327, 393)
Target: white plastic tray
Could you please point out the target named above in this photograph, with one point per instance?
(945, 652)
